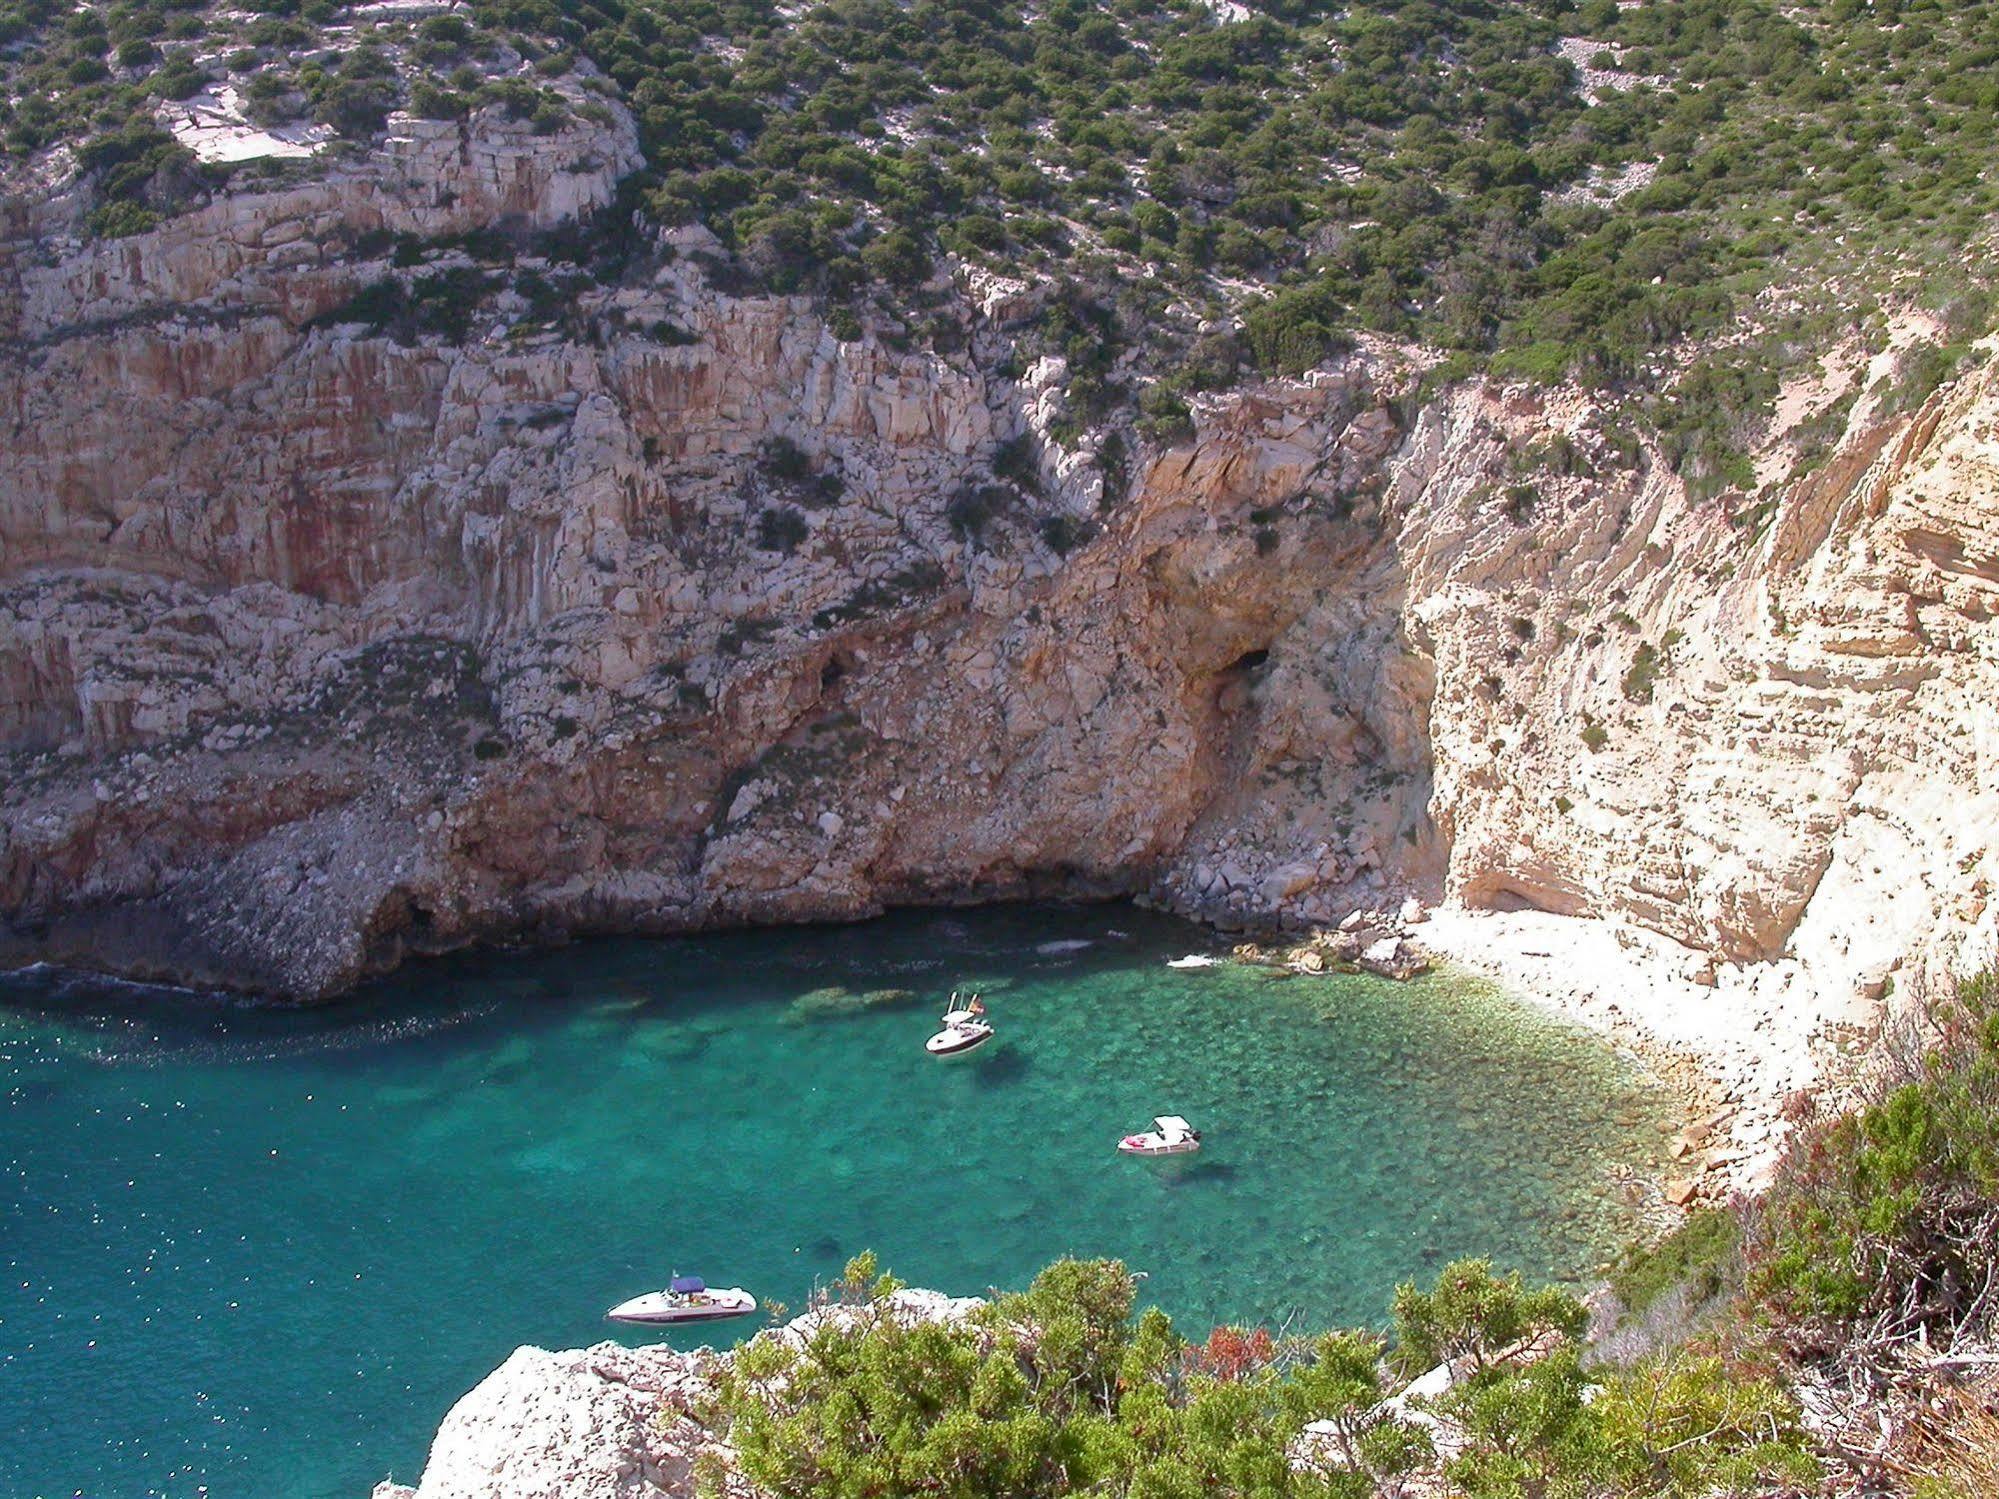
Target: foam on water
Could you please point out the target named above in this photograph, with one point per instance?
(264, 1250)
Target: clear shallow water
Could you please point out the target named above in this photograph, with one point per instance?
(263, 1251)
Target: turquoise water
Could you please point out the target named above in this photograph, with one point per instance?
(258, 1252)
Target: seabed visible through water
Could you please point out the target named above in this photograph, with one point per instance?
(264, 1250)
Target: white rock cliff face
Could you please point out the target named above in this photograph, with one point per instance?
(318, 648)
(604, 1421)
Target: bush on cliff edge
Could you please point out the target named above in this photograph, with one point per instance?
(1068, 1389)
(1883, 1230)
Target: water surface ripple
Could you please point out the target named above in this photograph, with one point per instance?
(259, 1252)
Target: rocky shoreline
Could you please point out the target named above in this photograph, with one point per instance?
(417, 642)
(1744, 1073)
(604, 1420)
(1741, 1074)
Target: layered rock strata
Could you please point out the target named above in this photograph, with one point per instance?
(322, 643)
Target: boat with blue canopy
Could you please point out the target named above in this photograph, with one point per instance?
(687, 1298)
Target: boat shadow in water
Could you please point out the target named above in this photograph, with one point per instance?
(1198, 1172)
(1002, 1067)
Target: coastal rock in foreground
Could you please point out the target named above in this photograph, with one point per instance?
(604, 1422)
(575, 1422)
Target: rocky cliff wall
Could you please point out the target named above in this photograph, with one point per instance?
(321, 645)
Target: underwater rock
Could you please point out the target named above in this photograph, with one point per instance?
(1394, 958)
(835, 1002)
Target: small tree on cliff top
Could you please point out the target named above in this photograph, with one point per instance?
(1473, 1314)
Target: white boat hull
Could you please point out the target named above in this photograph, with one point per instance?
(1153, 1145)
(955, 1041)
(658, 1309)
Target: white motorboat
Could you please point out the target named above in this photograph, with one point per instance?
(965, 1028)
(686, 1299)
(1169, 1135)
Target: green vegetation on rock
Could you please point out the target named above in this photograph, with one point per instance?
(1885, 1229)
(1556, 187)
(1067, 1389)
(1874, 1254)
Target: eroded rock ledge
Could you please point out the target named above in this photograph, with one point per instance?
(319, 648)
(608, 1420)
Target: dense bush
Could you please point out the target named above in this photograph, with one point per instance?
(1702, 1255)
(1884, 1228)
(1222, 197)
(1478, 1317)
(1069, 1389)
(441, 304)
(781, 529)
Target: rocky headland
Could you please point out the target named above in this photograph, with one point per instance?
(324, 643)
(611, 1420)
(356, 604)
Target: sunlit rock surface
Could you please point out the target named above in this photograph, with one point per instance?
(318, 647)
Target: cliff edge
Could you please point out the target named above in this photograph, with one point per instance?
(366, 591)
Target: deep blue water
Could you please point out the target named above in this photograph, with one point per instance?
(259, 1252)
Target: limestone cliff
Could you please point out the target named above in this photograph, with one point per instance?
(324, 641)
(612, 1420)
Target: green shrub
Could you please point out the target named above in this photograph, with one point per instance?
(974, 508)
(1884, 1224)
(1164, 415)
(1296, 328)
(1690, 1426)
(126, 163)
(357, 108)
(1063, 1389)
(120, 219)
(1063, 533)
(441, 304)
(1473, 1314)
(1069, 1389)
(429, 102)
(1919, 374)
(783, 461)
(897, 258)
(1643, 673)
(781, 529)
(1541, 363)
(1680, 1425)
(1703, 1255)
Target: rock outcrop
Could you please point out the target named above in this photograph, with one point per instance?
(597, 1421)
(607, 1420)
(643, 606)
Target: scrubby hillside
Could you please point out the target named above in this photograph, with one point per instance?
(1545, 187)
(489, 468)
